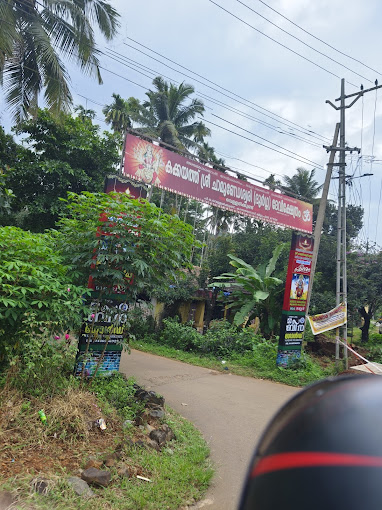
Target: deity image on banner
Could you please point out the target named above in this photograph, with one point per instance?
(299, 287)
(150, 162)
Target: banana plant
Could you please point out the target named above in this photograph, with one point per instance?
(252, 290)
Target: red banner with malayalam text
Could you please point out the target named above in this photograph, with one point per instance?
(149, 163)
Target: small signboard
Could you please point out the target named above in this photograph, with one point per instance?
(330, 320)
(106, 328)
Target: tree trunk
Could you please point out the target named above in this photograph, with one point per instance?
(365, 328)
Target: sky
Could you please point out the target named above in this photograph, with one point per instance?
(256, 86)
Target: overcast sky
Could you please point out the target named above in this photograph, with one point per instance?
(276, 87)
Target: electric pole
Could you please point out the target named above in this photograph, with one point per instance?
(341, 283)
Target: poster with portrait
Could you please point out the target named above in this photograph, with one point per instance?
(293, 320)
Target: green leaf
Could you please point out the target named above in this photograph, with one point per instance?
(272, 263)
(260, 295)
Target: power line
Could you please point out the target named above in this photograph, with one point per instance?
(371, 162)
(264, 139)
(305, 130)
(120, 59)
(241, 171)
(251, 164)
(277, 42)
(270, 148)
(291, 152)
(301, 41)
(225, 168)
(318, 39)
(259, 143)
(272, 143)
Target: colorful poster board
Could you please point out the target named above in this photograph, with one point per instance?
(330, 320)
(151, 164)
(297, 284)
(101, 329)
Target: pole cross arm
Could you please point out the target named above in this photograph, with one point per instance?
(333, 105)
(341, 149)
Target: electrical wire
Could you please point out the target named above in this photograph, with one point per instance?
(259, 143)
(303, 42)
(278, 42)
(305, 130)
(318, 39)
(305, 162)
(312, 163)
(240, 170)
(214, 101)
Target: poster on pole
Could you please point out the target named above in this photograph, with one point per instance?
(152, 164)
(297, 284)
(330, 320)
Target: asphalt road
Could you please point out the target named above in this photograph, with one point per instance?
(231, 411)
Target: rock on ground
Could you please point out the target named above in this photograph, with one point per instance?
(80, 487)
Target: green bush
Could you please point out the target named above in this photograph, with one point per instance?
(263, 361)
(120, 393)
(36, 291)
(222, 339)
(374, 339)
(43, 366)
(375, 353)
(178, 336)
(141, 325)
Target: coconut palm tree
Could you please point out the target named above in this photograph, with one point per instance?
(302, 185)
(167, 116)
(34, 38)
(121, 112)
(84, 113)
(272, 182)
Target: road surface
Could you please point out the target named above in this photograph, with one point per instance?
(231, 411)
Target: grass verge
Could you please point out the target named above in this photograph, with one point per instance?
(259, 364)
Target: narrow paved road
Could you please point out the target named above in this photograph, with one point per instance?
(230, 411)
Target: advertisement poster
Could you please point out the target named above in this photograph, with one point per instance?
(298, 275)
(107, 325)
(329, 320)
(293, 319)
(151, 164)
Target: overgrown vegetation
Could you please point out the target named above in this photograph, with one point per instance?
(38, 303)
(226, 347)
(59, 448)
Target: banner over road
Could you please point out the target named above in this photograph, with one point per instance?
(168, 170)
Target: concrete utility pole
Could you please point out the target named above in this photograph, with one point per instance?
(321, 213)
(341, 287)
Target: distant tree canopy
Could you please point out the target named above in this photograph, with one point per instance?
(64, 153)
